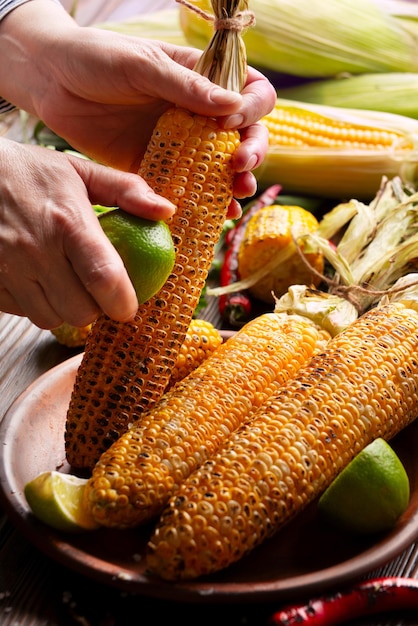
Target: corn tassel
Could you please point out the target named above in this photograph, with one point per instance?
(359, 147)
(126, 367)
(135, 477)
(363, 386)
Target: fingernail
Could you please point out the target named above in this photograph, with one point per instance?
(251, 163)
(224, 96)
(234, 121)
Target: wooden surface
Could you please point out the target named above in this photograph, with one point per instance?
(35, 591)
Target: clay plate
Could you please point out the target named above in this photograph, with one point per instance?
(303, 558)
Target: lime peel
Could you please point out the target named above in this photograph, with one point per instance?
(56, 499)
(370, 493)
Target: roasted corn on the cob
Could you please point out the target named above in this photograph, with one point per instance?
(202, 339)
(363, 386)
(134, 478)
(271, 231)
(126, 367)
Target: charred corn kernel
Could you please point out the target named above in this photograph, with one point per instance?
(270, 231)
(363, 386)
(307, 141)
(202, 339)
(134, 478)
(71, 336)
(126, 367)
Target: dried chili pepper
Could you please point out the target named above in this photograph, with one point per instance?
(377, 595)
(235, 308)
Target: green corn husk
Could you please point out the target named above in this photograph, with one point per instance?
(393, 92)
(317, 38)
(162, 25)
(340, 169)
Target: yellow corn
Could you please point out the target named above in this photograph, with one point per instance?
(126, 367)
(134, 478)
(202, 339)
(335, 152)
(71, 336)
(269, 232)
(363, 386)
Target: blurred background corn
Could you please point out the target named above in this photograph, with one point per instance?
(364, 385)
(126, 367)
(336, 152)
(392, 92)
(269, 232)
(313, 38)
(135, 477)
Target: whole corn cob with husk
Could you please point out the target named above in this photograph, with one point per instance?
(135, 477)
(364, 385)
(313, 38)
(337, 152)
(269, 232)
(126, 366)
(392, 92)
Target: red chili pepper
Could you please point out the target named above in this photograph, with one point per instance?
(235, 308)
(370, 597)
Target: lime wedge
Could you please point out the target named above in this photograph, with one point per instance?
(57, 500)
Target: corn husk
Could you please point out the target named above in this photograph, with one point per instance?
(314, 38)
(161, 25)
(379, 246)
(344, 171)
(393, 92)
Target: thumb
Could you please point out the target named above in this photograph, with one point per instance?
(128, 191)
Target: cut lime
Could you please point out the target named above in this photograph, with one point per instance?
(370, 494)
(146, 247)
(57, 500)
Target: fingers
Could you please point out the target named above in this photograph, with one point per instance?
(127, 191)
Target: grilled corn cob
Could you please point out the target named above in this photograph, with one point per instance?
(269, 232)
(126, 367)
(363, 386)
(134, 478)
(359, 147)
(201, 340)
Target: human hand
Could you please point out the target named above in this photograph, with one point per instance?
(103, 91)
(56, 264)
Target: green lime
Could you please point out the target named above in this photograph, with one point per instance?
(370, 493)
(146, 248)
(57, 500)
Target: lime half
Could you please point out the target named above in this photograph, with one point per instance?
(371, 492)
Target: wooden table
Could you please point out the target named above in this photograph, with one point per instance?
(36, 591)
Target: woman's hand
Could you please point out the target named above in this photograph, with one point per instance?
(55, 261)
